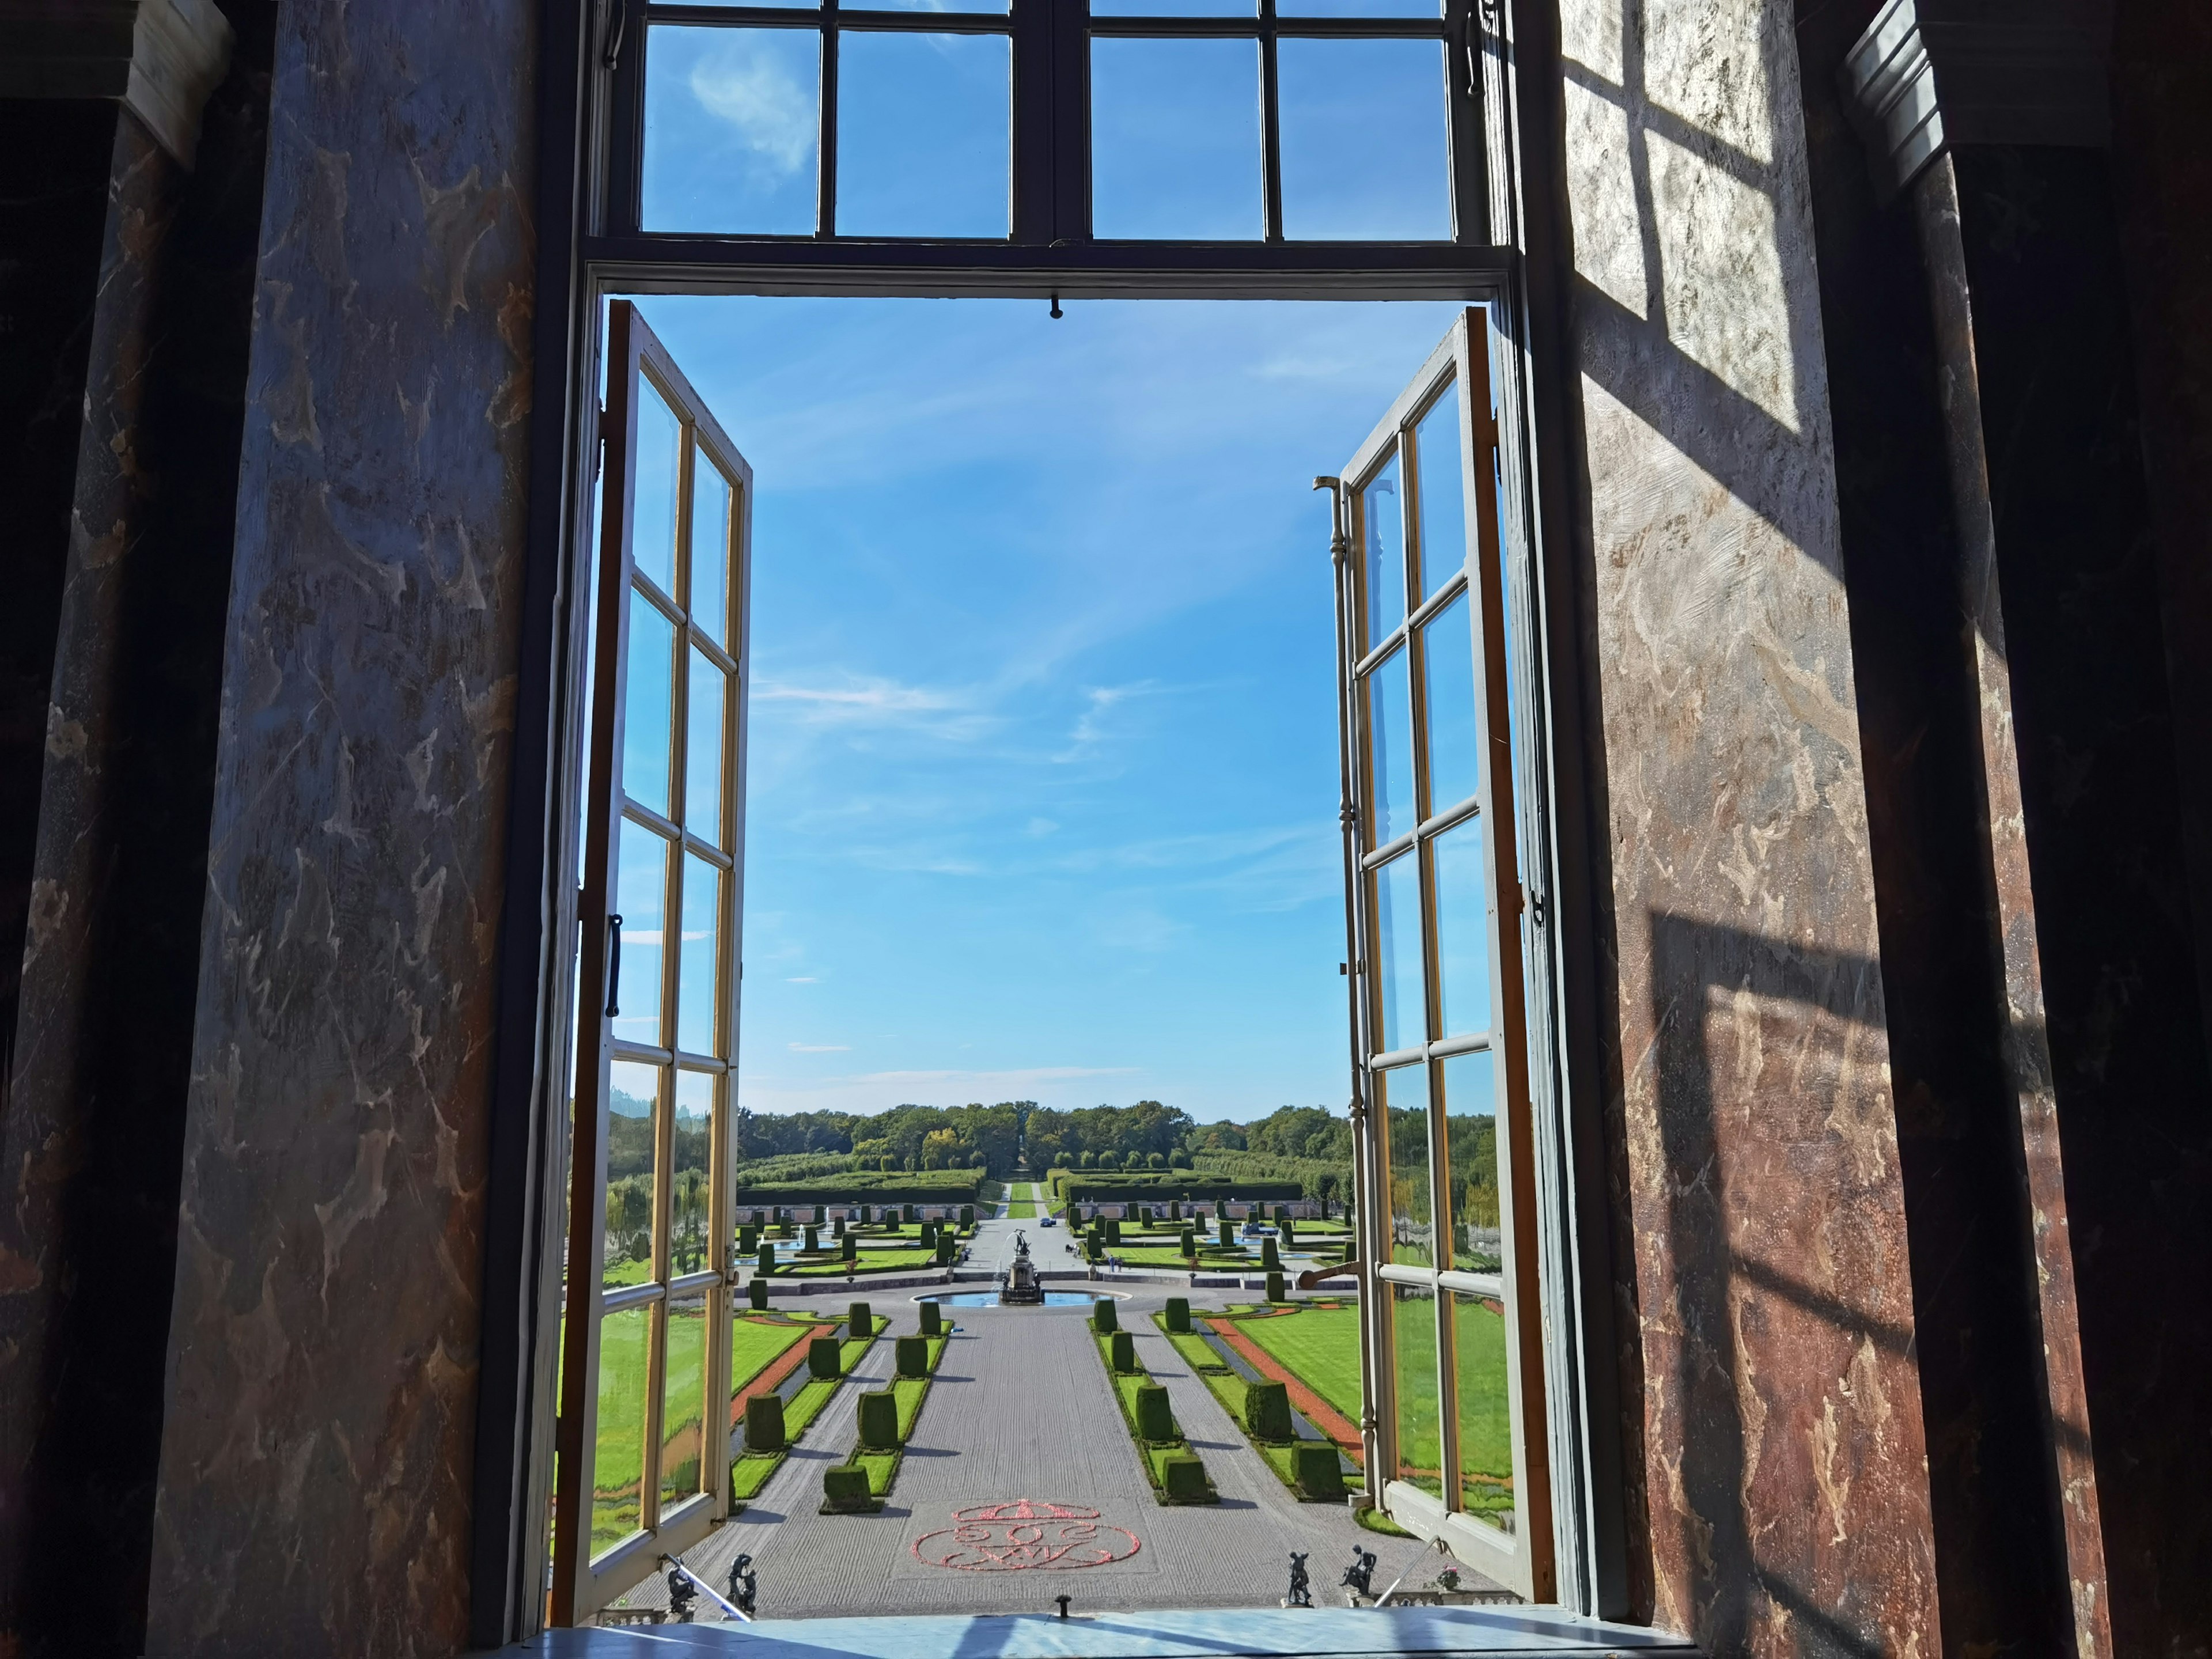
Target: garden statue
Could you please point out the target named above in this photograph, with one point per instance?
(681, 1596)
(1021, 1286)
(744, 1584)
(1301, 1594)
(1359, 1576)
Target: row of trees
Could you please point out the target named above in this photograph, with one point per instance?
(973, 1137)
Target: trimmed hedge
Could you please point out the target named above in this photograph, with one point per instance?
(1268, 1412)
(764, 1424)
(757, 1294)
(879, 1419)
(845, 1487)
(1161, 1184)
(1178, 1312)
(914, 1356)
(859, 1323)
(1183, 1477)
(822, 1357)
(1125, 1352)
(1318, 1471)
(865, 1185)
(1154, 1420)
(1103, 1317)
(933, 1319)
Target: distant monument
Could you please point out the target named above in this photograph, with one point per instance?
(1021, 1286)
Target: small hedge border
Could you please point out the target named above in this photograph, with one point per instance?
(1152, 1455)
(841, 1495)
(750, 1470)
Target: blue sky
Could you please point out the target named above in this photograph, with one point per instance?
(1042, 784)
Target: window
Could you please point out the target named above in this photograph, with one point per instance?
(1438, 1015)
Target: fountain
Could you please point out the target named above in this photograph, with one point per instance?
(1021, 1287)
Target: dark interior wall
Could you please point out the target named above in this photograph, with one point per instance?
(314, 1484)
(100, 1043)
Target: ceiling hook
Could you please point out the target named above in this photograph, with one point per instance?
(1056, 311)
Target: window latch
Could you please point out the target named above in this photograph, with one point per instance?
(614, 965)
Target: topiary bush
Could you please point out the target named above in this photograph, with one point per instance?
(913, 1357)
(766, 1257)
(1271, 1258)
(845, 1486)
(1228, 1236)
(813, 1241)
(1189, 1242)
(1178, 1313)
(879, 1419)
(822, 1357)
(764, 1424)
(1268, 1412)
(859, 1323)
(1105, 1319)
(851, 1247)
(1276, 1291)
(933, 1319)
(1182, 1476)
(748, 1239)
(1154, 1420)
(967, 1215)
(1123, 1347)
(757, 1293)
(1318, 1471)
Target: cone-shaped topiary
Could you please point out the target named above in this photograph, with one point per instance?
(933, 1319)
(860, 1324)
(1104, 1317)
(879, 1419)
(1182, 1476)
(764, 1424)
(1318, 1470)
(1123, 1347)
(822, 1357)
(1154, 1420)
(1178, 1313)
(913, 1357)
(1268, 1412)
(845, 1486)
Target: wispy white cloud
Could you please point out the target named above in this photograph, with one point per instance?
(865, 702)
(802, 979)
(750, 83)
(820, 1048)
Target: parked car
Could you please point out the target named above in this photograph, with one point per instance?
(1047, 1221)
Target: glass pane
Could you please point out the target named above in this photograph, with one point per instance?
(1382, 509)
(618, 1445)
(1390, 743)
(653, 503)
(688, 1191)
(632, 1094)
(709, 599)
(698, 982)
(1000, 6)
(640, 895)
(1398, 952)
(1485, 1419)
(1436, 441)
(1364, 144)
(1413, 1356)
(1359, 8)
(924, 123)
(1463, 929)
(1471, 1124)
(732, 121)
(683, 1404)
(1175, 8)
(1448, 670)
(1174, 139)
(1412, 1231)
(647, 705)
(702, 754)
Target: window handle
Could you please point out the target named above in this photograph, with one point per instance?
(614, 965)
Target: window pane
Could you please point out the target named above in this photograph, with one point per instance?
(999, 6)
(632, 1093)
(652, 504)
(1463, 929)
(1363, 146)
(640, 895)
(1412, 1232)
(1359, 8)
(924, 123)
(1486, 1421)
(732, 121)
(709, 599)
(698, 984)
(618, 1446)
(1413, 1358)
(1448, 670)
(688, 1192)
(1175, 138)
(683, 1404)
(702, 754)
(646, 705)
(1471, 1118)
(1398, 946)
(1444, 492)
(1390, 743)
(1175, 8)
(1382, 509)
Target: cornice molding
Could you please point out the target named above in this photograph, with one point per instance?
(159, 58)
(1930, 75)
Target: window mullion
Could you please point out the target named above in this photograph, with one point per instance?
(1271, 128)
(825, 190)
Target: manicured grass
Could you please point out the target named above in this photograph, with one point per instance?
(749, 1474)
(1024, 1206)
(1153, 1453)
(871, 1261)
(1320, 1347)
(1375, 1520)
(1194, 1352)
(881, 1466)
(757, 1343)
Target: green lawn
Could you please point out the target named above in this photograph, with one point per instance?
(1320, 1347)
(1194, 1352)
(1024, 1206)
(871, 1261)
(757, 1343)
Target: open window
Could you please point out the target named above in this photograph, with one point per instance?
(1453, 1356)
(642, 1437)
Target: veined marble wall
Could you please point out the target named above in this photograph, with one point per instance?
(1783, 1504)
(314, 1493)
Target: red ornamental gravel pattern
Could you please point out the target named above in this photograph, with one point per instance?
(1025, 1535)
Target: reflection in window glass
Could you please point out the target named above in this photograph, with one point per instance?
(646, 705)
(1413, 1360)
(1359, 8)
(1447, 669)
(732, 119)
(924, 126)
(688, 1191)
(1174, 139)
(698, 990)
(1485, 1425)
(1390, 736)
(683, 1404)
(1444, 492)
(652, 502)
(627, 1248)
(1463, 929)
(709, 600)
(702, 754)
(1381, 517)
(618, 1448)
(1175, 8)
(1471, 1117)
(1364, 152)
(640, 895)
(1412, 1231)
(1398, 941)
